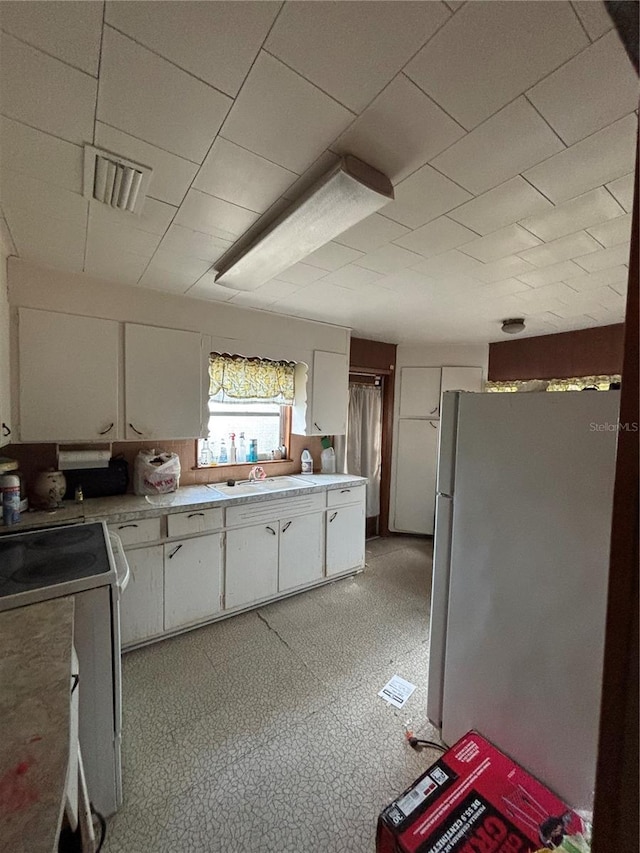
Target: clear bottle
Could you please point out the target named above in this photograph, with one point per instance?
(242, 449)
(253, 450)
(205, 453)
(222, 458)
(232, 448)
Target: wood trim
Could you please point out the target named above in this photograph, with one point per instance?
(616, 825)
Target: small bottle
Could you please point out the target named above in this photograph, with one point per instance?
(10, 485)
(205, 454)
(79, 495)
(242, 449)
(253, 450)
(232, 448)
(222, 458)
(306, 461)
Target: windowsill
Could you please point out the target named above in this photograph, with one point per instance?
(247, 465)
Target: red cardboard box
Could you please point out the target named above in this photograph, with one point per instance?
(475, 799)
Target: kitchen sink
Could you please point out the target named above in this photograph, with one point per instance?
(242, 488)
(252, 487)
(277, 483)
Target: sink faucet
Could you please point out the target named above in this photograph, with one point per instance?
(257, 473)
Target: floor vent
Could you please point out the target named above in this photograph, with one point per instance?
(114, 181)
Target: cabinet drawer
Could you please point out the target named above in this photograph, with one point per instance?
(257, 511)
(138, 531)
(196, 521)
(348, 495)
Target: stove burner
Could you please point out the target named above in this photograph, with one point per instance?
(71, 536)
(59, 568)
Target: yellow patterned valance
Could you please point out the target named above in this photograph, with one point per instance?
(577, 383)
(235, 379)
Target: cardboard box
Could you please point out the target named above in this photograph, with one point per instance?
(475, 799)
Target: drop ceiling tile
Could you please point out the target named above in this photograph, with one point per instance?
(422, 197)
(622, 190)
(592, 208)
(613, 232)
(589, 163)
(283, 117)
(183, 121)
(501, 206)
(563, 249)
(454, 5)
(332, 256)
(301, 274)
(19, 191)
(155, 217)
(241, 177)
(400, 131)
(203, 212)
(216, 42)
(40, 155)
(70, 31)
(194, 244)
(503, 269)
(502, 288)
(172, 272)
(275, 289)
(506, 241)
(620, 288)
(371, 233)
(489, 53)
(586, 281)
(551, 274)
(53, 240)
(436, 237)
(388, 259)
(206, 288)
(594, 17)
(539, 297)
(120, 266)
(450, 263)
(350, 277)
(45, 93)
(605, 258)
(115, 236)
(172, 175)
(352, 50)
(602, 77)
(509, 142)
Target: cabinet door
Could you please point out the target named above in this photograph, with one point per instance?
(141, 609)
(5, 378)
(68, 377)
(419, 392)
(251, 564)
(163, 370)
(330, 394)
(345, 538)
(415, 483)
(301, 551)
(192, 579)
(461, 379)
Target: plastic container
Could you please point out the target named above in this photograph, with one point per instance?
(242, 449)
(328, 461)
(222, 458)
(10, 485)
(306, 461)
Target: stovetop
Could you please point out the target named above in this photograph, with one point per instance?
(47, 558)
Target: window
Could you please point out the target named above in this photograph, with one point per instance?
(249, 398)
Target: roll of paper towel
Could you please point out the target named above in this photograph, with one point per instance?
(73, 459)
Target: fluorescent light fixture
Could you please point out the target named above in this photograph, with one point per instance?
(346, 195)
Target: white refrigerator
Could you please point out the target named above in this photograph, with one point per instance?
(521, 556)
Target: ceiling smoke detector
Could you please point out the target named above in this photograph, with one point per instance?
(114, 180)
(513, 326)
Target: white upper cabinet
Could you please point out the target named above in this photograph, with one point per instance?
(420, 392)
(163, 377)
(461, 379)
(330, 394)
(68, 377)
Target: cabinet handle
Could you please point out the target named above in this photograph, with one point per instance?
(5, 430)
(137, 431)
(431, 423)
(332, 517)
(174, 552)
(195, 514)
(76, 678)
(344, 491)
(286, 527)
(271, 530)
(123, 526)
(433, 411)
(319, 428)
(108, 429)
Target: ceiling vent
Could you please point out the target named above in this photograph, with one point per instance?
(115, 181)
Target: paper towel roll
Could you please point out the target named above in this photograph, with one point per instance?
(72, 459)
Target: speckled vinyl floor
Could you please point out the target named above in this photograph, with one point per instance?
(264, 733)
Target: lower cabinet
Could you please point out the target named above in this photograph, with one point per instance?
(301, 551)
(141, 605)
(345, 538)
(192, 580)
(251, 569)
